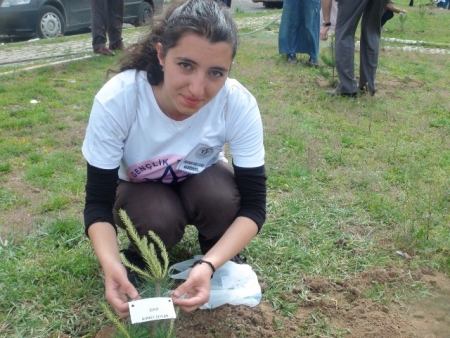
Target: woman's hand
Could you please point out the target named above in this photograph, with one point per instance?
(117, 288)
(117, 285)
(196, 289)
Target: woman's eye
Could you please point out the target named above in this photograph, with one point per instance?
(216, 73)
(185, 65)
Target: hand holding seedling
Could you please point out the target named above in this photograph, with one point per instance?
(117, 288)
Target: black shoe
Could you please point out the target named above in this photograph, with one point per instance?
(136, 260)
(239, 259)
(312, 64)
(118, 46)
(292, 58)
(364, 90)
(334, 92)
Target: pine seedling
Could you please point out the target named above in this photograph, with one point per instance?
(155, 282)
(422, 10)
(402, 18)
(329, 59)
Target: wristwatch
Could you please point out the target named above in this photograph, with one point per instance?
(326, 24)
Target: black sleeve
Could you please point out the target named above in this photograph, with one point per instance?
(251, 183)
(101, 185)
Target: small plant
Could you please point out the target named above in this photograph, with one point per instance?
(155, 283)
(402, 18)
(422, 10)
(329, 59)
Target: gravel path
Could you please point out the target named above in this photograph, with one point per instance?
(247, 6)
(69, 50)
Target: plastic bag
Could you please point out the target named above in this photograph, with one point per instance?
(232, 283)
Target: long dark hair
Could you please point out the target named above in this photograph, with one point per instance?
(206, 18)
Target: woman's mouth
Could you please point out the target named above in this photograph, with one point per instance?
(191, 101)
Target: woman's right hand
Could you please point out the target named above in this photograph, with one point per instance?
(118, 288)
(117, 285)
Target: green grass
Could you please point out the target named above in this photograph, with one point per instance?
(372, 171)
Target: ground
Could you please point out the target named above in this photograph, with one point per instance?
(332, 309)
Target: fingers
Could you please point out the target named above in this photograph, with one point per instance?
(187, 305)
(118, 290)
(324, 33)
(130, 291)
(195, 296)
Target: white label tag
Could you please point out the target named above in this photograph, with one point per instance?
(148, 309)
(195, 162)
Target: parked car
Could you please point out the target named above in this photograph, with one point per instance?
(271, 3)
(48, 18)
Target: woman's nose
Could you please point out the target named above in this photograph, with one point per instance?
(197, 85)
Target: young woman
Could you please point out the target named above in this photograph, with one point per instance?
(154, 147)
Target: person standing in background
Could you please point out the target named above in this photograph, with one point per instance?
(299, 30)
(107, 19)
(349, 14)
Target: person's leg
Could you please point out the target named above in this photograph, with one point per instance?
(99, 10)
(212, 201)
(151, 206)
(309, 32)
(289, 26)
(387, 15)
(370, 43)
(115, 22)
(349, 14)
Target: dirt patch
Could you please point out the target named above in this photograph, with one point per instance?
(332, 308)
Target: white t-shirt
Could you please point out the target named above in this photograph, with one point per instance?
(128, 129)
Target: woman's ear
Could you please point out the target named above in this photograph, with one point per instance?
(159, 54)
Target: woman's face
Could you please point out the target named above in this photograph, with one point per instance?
(194, 72)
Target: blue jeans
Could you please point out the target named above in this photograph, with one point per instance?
(444, 4)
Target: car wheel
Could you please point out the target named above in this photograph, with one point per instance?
(145, 14)
(50, 23)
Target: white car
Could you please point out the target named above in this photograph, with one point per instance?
(50, 18)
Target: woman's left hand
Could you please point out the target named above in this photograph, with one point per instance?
(195, 289)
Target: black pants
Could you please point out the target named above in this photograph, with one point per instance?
(388, 15)
(210, 201)
(106, 19)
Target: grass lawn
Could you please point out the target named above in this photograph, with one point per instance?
(353, 184)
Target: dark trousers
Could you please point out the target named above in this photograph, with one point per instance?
(106, 19)
(209, 201)
(388, 15)
(350, 12)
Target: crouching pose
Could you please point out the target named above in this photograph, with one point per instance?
(154, 147)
